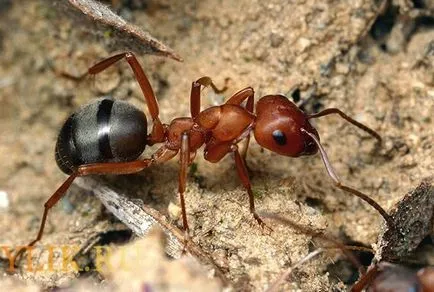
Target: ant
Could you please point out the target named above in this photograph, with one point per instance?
(107, 136)
(380, 277)
(385, 276)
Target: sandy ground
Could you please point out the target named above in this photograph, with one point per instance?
(272, 46)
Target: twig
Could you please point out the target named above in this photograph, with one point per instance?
(284, 276)
(140, 219)
(125, 36)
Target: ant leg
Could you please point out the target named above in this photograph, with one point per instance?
(215, 151)
(246, 147)
(330, 111)
(58, 194)
(246, 93)
(366, 279)
(184, 159)
(157, 134)
(161, 155)
(195, 93)
(244, 176)
(97, 168)
(338, 183)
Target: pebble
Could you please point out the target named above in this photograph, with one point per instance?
(174, 211)
(303, 44)
(276, 40)
(4, 200)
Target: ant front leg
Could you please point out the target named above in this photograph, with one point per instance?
(195, 93)
(157, 134)
(244, 176)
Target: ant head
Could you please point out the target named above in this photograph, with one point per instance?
(278, 127)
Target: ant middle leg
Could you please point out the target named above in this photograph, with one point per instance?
(214, 152)
(184, 160)
(238, 98)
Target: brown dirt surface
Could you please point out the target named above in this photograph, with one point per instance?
(324, 47)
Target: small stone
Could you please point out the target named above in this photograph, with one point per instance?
(276, 40)
(342, 68)
(261, 54)
(174, 211)
(4, 200)
(337, 81)
(303, 44)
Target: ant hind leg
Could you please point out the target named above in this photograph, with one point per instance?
(160, 156)
(157, 134)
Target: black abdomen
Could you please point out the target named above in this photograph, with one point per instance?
(103, 131)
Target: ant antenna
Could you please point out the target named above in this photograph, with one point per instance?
(330, 111)
(339, 184)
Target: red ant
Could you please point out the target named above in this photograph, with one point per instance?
(385, 276)
(107, 136)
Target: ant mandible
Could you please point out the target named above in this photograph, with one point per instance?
(107, 136)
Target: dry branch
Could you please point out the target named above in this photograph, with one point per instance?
(141, 219)
(413, 217)
(125, 36)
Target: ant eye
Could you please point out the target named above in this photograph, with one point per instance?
(279, 137)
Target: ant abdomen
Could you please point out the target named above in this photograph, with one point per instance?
(105, 130)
